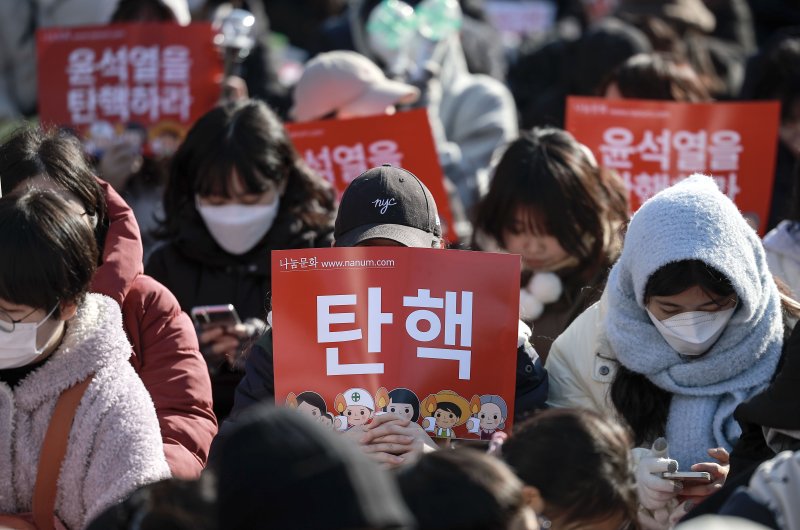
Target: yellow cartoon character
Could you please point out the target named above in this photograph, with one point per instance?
(446, 410)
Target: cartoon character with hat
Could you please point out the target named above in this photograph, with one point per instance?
(356, 405)
(448, 410)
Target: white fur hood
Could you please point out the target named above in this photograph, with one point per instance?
(94, 341)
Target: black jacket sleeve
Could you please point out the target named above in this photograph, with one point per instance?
(532, 383)
(257, 386)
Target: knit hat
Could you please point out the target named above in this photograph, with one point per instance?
(693, 220)
(346, 81)
(388, 203)
(279, 469)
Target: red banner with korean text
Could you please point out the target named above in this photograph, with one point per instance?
(140, 83)
(653, 144)
(426, 333)
(340, 150)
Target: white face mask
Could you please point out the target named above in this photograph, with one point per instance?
(237, 228)
(693, 333)
(18, 347)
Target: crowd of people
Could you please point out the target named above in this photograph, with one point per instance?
(650, 343)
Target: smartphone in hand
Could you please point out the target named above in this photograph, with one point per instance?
(215, 315)
(695, 477)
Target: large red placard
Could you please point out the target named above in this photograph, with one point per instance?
(145, 83)
(429, 332)
(653, 144)
(340, 150)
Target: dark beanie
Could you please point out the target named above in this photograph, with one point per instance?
(279, 469)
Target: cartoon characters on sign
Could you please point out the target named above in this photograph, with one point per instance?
(327, 420)
(356, 406)
(400, 401)
(489, 413)
(309, 403)
(446, 410)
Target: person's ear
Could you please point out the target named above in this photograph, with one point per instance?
(67, 310)
(532, 497)
(282, 186)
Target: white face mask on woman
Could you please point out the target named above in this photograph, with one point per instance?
(694, 332)
(237, 228)
(18, 347)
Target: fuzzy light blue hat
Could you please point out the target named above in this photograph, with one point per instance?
(693, 220)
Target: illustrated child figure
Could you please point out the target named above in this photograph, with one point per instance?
(327, 420)
(309, 403)
(356, 405)
(401, 401)
(448, 410)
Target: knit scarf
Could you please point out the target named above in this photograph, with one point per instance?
(693, 220)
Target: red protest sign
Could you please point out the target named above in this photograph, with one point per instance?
(653, 144)
(431, 334)
(144, 83)
(340, 150)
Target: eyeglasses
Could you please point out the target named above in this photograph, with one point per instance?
(7, 324)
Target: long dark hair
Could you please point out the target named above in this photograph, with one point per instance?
(49, 255)
(57, 156)
(642, 404)
(550, 176)
(579, 462)
(249, 138)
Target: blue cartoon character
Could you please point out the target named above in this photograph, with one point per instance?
(356, 406)
(446, 410)
(400, 401)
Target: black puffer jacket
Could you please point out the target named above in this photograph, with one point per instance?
(199, 272)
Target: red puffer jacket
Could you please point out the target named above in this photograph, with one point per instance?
(165, 351)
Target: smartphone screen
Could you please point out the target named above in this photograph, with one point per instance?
(220, 315)
(699, 477)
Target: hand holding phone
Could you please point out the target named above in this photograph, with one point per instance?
(224, 315)
(718, 469)
(219, 328)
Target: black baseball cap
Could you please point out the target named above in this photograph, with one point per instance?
(391, 203)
